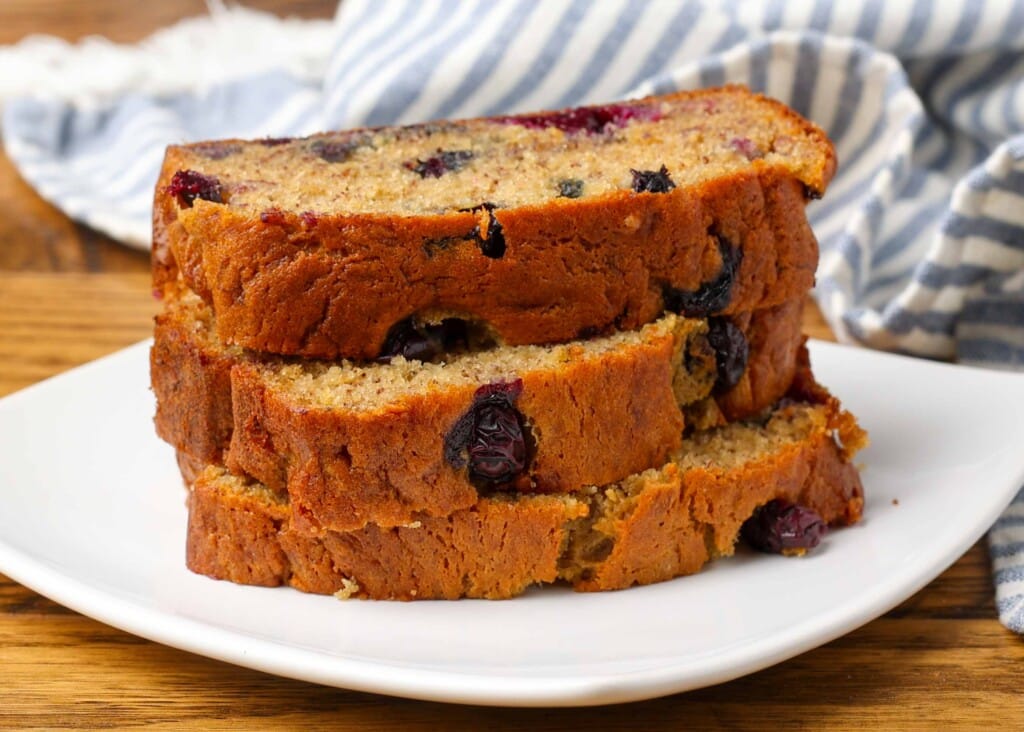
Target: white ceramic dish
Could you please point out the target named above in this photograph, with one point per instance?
(92, 515)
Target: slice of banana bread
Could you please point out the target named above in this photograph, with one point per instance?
(383, 443)
(542, 228)
(652, 526)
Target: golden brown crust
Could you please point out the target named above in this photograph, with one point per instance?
(189, 466)
(593, 422)
(685, 519)
(849, 435)
(495, 549)
(774, 336)
(215, 527)
(333, 287)
(678, 521)
(191, 379)
(335, 292)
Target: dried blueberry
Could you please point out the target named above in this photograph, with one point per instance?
(780, 527)
(490, 438)
(446, 161)
(309, 219)
(273, 216)
(731, 352)
(710, 297)
(422, 129)
(591, 120)
(216, 149)
(492, 244)
(570, 188)
(275, 141)
(652, 181)
(423, 341)
(497, 451)
(432, 247)
(334, 151)
(188, 185)
(812, 194)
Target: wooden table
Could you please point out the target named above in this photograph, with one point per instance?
(68, 295)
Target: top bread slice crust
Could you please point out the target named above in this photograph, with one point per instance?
(543, 227)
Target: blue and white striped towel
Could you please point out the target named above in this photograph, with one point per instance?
(922, 230)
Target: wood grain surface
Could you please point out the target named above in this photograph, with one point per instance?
(68, 295)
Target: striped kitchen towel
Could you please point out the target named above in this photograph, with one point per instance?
(922, 230)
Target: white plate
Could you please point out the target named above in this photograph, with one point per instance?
(92, 515)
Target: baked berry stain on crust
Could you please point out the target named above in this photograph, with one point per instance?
(589, 120)
(710, 297)
(731, 352)
(420, 130)
(780, 527)
(188, 185)
(490, 437)
(423, 341)
(652, 181)
(335, 151)
(216, 149)
(446, 161)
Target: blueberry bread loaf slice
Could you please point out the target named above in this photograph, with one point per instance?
(385, 443)
(542, 228)
(652, 526)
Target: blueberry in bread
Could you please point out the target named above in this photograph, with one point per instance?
(540, 228)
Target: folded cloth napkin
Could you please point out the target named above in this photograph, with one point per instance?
(922, 231)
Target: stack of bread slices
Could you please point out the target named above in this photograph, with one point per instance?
(463, 358)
